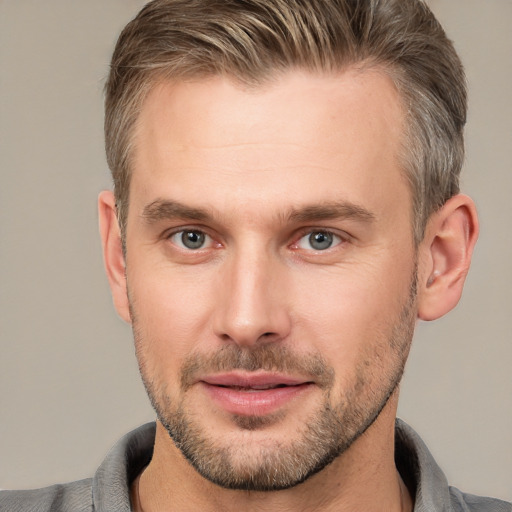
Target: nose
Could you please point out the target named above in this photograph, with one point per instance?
(252, 303)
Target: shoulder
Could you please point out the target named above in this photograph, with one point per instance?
(427, 482)
(73, 496)
(463, 502)
(108, 490)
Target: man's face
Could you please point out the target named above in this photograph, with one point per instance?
(270, 268)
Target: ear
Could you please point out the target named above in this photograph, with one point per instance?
(113, 256)
(445, 256)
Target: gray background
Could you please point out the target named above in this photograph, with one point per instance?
(69, 385)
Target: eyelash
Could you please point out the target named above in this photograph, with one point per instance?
(172, 235)
(333, 239)
(328, 237)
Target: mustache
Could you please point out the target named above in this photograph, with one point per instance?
(266, 357)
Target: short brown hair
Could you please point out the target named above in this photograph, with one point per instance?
(253, 40)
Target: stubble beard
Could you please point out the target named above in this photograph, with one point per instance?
(328, 433)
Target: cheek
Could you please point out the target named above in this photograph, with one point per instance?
(172, 314)
(174, 309)
(349, 313)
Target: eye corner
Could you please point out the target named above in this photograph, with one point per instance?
(317, 240)
(190, 239)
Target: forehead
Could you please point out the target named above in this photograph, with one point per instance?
(303, 133)
(293, 99)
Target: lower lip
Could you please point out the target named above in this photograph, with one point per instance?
(254, 402)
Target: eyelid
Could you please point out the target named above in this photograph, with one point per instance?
(209, 239)
(341, 237)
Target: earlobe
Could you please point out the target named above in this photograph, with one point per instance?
(113, 256)
(445, 256)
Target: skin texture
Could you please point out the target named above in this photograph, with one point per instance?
(256, 173)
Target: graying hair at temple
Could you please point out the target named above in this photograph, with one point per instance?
(254, 41)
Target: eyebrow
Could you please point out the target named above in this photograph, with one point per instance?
(331, 211)
(163, 209)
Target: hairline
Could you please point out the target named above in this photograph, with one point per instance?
(156, 77)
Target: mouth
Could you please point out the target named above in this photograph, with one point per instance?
(254, 388)
(256, 394)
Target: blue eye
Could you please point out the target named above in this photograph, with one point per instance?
(190, 239)
(319, 240)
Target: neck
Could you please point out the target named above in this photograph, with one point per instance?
(362, 478)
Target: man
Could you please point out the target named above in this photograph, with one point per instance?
(286, 206)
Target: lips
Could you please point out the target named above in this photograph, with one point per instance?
(255, 388)
(253, 394)
(261, 380)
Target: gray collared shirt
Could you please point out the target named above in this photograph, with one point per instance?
(109, 489)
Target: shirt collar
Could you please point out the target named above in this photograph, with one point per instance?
(111, 483)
